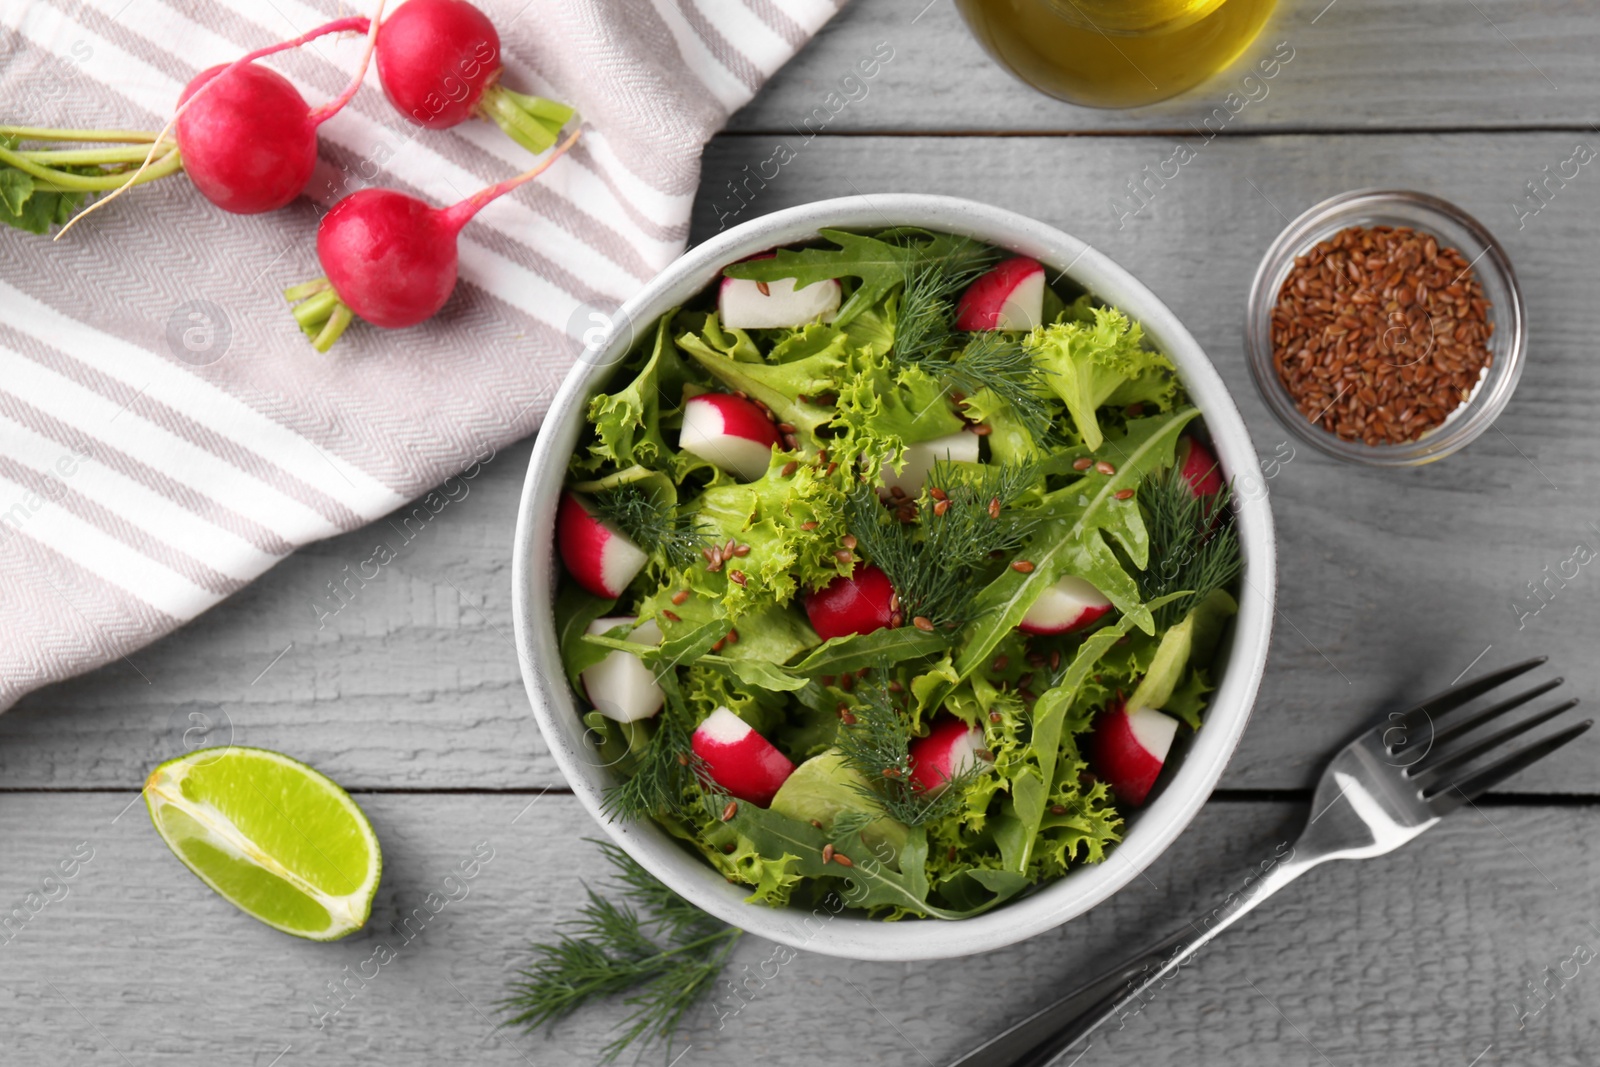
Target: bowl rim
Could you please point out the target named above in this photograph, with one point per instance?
(823, 930)
(1422, 211)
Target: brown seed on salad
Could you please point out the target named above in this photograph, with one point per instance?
(670, 616)
(680, 596)
(842, 860)
(922, 623)
(1022, 566)
(827, 853)
(1379, 334)
(789, 468)
(1123, 494)
(994, 508)
(1082, 463)
(1105, 468)
(730, 811)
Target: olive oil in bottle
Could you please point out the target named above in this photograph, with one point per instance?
(1115, 53)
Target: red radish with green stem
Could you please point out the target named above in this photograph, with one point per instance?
(439, 61)
(390, 259)
(244, 134)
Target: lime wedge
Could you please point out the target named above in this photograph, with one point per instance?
(279, 841)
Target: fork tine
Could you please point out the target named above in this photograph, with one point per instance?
(1452, 698)
(1478, 718)
(1453, 796)
(1433, 771)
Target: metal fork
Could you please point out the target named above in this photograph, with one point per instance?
(1381, 790)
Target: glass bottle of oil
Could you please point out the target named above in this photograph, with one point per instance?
(1115, 53)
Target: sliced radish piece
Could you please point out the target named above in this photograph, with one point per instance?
(859, 604)
(1070, 604)
(739, 759)
(949, 750)
(602, 560)
(919, 460)
(745, 304)
(1128, 748)
(730, 433)
(1199, 467)
(1009, 297)
(620, 686)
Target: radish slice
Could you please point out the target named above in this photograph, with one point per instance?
(859, 604)
(1009, 297)
(739, 759)
(949, 750)
(602, 560)
(919, 460)
(1070, 604)
(1128, 749)
(743, 304)
(1199, 467)
(729, 433)
(620, 686)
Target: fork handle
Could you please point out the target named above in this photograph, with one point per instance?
(1039, 1039)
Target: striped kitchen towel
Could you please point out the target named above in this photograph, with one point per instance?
(166, 432)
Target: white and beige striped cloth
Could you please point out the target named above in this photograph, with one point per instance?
(167, 434)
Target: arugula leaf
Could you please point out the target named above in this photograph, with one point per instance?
(878, 648)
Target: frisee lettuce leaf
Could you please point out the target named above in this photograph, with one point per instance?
(1103, 363)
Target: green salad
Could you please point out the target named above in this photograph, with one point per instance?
(892, 572)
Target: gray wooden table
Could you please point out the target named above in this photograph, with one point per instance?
(1393, 583)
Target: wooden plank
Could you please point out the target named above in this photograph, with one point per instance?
(1393, 583)
(1420, 957)
(1356, 64)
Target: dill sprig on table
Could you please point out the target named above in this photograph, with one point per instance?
(655, 949)
(937, 563)
(651, 525)
(1194, 547)
(877, 744)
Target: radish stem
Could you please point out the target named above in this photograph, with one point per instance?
(41, 133)
(458, 215)
(85, 183)
(337, 322)
(305, 289)
(531, 121)
(78, 157)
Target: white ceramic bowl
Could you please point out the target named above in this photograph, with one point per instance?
(1148, 832)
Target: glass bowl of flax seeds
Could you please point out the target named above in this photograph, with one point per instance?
(1386, 328)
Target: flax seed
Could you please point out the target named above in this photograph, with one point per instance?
(941, 506)
(1123, 494)
(670, 616)
(789, 468)
(730, 811)
(1105, 468)
(844, 555)
(1022, 566)
(842, 860)
(827, 853)
(808, 526)
(1082, 463)
(995, 716)
(763, 288)
(1058, 809)
(733, 637)
(922, 623)
(994, 508)
(849, 541)
(999, 663)
(786, 427)
(737, 577)
(680, 596)
(982, 429)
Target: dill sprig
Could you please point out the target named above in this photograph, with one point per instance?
(667, 766)
(1193, 544)
(1002, 365)
(937, 563)
(651, 525)
(925, 326)
(878, 744)
(655, 947)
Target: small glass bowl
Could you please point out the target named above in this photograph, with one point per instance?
(1451, 227)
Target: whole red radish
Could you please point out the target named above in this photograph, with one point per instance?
(249, 141)
(949, 751)
(601, 559)
(859, 604)
(389, 258)
(1128, 749)
(738, 759)
(439, 61)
